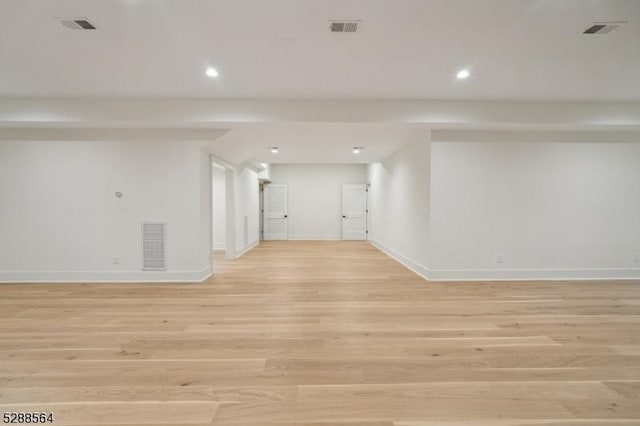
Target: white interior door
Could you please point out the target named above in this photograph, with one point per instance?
(275, 212)
(354, 211)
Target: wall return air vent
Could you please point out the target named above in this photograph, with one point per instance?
(344, 26)
(77, 23)
(154, 246)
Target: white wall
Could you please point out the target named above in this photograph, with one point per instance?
(550, 210)
(399, 205)
(315, 197)
(204, 203)
(247, 206)
(265, 173)
(60, 219)
(219, 208)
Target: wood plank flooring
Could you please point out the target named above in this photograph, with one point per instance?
(323, 334)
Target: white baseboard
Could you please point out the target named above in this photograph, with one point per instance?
(534, 274)
(219, 246)
(414, 266)
(246, 248)
(594, 274)
(105, 276)
(314, 237)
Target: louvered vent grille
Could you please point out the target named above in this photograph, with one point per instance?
(601, 28)
(337, 27)
(344, 26)
(350, 27)
(77, 23)
(154, 246)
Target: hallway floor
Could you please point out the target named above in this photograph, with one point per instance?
(324, 334)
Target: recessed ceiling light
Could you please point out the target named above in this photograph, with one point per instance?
(212, 72)
(274, 149)
(357, 149)
(462, 74)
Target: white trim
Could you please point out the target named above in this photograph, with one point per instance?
(315, 237)
(592, 274)
(414, 266)
(247, 248)
(105, 276)
(219, 246)
(535, 274)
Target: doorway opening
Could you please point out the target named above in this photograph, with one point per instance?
(223, 213)
(219, 217)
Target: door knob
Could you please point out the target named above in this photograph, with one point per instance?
(285, 216)
(344, 217)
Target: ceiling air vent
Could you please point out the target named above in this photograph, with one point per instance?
(344, 26)
(603, 27)
(77, 23)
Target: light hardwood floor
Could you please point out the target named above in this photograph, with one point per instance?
(325, 334)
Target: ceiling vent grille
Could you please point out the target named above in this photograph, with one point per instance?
(77, 23)
(154, 246)
(601, 28)
(344, 26)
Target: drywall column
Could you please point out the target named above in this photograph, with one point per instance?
(400, 204)
(230, 205)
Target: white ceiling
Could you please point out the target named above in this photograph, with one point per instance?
(409, 49)
(315, 142)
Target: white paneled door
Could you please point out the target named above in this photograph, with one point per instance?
(354, 211)
(275, 212)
